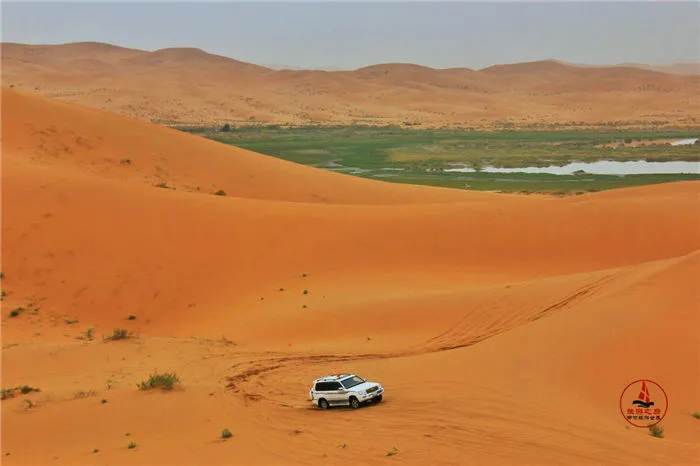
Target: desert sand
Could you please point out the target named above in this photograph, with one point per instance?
(503, 327)
(191, 86)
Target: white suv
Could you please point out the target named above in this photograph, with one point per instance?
(344, 389)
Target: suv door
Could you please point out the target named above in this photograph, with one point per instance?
(336, 393)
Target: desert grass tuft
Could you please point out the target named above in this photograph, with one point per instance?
(164, 381)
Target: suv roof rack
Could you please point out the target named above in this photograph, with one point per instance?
(333, 377)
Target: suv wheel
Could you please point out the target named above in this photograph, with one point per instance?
(354, 402)
(323, 404)
(377, 399)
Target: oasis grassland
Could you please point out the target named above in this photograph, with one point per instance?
(418, 156)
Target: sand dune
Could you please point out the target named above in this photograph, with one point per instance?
(504, 327)
(191, 86)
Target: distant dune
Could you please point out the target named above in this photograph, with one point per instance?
(187, 85)
(677, 68)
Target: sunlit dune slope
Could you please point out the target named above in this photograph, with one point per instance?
(543, 393)
(98, 243)
(62, 135)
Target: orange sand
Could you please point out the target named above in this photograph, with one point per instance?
(503, 327)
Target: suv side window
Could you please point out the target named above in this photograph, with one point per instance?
(327, 386)
(322, 387)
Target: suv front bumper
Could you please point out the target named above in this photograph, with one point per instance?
(375, 394)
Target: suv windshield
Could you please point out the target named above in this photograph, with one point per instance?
(352, 381)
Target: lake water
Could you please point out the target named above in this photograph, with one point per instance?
(603, 167)
(685, 142)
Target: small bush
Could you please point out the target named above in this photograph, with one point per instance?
(306, 291)
(24, 389)
(220, 192)
(132, 445)
(96, 450)
(125, 161)
(71, 321)
(226, 433)
(656, 431)
(226, 128)
(87, 335)
(119, 334)
(132, 317)
(696, 415)
(165, 381)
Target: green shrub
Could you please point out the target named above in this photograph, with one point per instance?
(87, 335)
(132, 445)
(220, 192)
(656, 431)
(696, 415)
(132, 317)
(226, 433)
(165, 381)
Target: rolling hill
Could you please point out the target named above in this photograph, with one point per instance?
(191, 86)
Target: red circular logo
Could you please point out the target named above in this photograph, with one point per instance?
(643, 403)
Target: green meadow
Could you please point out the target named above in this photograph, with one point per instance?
(415, 156)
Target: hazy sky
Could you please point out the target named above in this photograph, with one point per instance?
(350, 35)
